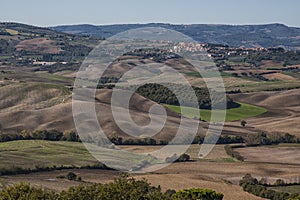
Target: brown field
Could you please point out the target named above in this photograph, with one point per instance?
(230, 82)
(59, 117)
(270, 64)
(40, 45)
(254, 71)
(279, 76)
(272, 154)
(58, 114)
(217, 171)
(283, 110)
(29, 97)
(279, 118)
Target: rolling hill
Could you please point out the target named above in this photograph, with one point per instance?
(22, 44)
(59, 116)
(33, 100)
(268, 35)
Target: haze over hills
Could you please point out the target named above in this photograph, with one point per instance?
(268, 35)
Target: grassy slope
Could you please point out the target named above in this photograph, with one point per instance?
(288, 189)
(250, 84)
(32, 153)
(39, 153)
(244, 111)
(31, 95)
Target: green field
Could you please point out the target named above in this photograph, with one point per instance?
(29, 154)
(32, 153)
(293, 74)
(233, 114)
(288, 189)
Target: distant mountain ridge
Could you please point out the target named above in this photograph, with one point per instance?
(268, 35)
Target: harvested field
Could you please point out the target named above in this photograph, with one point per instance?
(39, 45)
(279, 76)
(272, 154)
(283, 110)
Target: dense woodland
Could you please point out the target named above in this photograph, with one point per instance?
(167, 95)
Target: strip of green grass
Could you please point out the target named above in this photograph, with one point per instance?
(32, 153)
(233, 114)
(29, 154)
(55, 77)
(288, 189)
(208, 75)
(292, 74)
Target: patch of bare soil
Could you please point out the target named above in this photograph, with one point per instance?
(40, 45)
(279, 76)
(283, 110)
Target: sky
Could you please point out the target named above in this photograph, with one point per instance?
(50, 13)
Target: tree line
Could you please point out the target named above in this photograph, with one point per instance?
(253, 186)
(51, 135)
(119, 140)
(231, 152)
(72, 136)
(123, 187)
(19, 170)
(261, 138)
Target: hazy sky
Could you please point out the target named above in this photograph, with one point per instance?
(48, 13)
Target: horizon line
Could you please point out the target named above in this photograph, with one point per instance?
(146, 23)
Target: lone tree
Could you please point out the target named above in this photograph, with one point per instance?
(183, 158)
(71, 176)
(243, 123)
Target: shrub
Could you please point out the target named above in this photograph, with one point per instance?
(24, 191)
(279, 182)
(79, 178)
(230, 151)
(248, 179)
(70, 136)
(183, 158)
(71, 176)
(172, 158)
(122, 188)
(243, 123)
